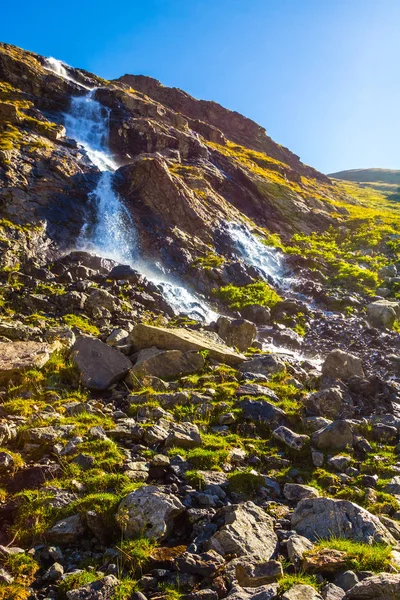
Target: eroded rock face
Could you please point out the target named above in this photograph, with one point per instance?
(319, 518)
(148, 511)
(248, 530)
(100, 365)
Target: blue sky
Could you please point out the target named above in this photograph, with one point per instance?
(322, 76)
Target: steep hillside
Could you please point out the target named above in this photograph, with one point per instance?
(199, 352)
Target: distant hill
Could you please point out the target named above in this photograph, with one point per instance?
(384, 180)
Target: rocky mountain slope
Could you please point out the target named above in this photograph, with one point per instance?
(199, 353)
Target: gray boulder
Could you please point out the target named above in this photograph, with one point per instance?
(333, 592)
(247, 530)
(66, 531)
(293, 440)
(265, 592)
(265, 364)
(148, 511)
(302, 592)
(342, 365)
(262, 411)
(294, 492)
(332, 403)
(184, 435)
(261, 315)
(251, 574)
(165, 363)
(237, 333)
(100, 365)
(323, 518)
(383, 313)
(385, 586)
(335, 436)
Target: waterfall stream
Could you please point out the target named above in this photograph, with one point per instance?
(113, 233)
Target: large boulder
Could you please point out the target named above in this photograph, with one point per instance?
(342, 365)
(383, 313)
(265, 364)
(247, 530)
(385, 586)
(166, 363)
(261, 315)
(19, 356)
(237, 333)
(323, 518)
(144, 336)
(333, 403)
(148, 511)
(99, 364)
(184, 435)
(335, 436)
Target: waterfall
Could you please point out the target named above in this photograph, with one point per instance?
(113, 233)
(254, 253)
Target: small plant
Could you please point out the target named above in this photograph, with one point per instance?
(81, 323)
(360, 557)
(290, 580)
(246, 483)
(135, 554)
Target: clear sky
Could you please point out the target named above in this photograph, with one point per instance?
(322, 76)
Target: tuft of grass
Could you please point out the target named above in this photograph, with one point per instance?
(246, 483)
(74, 581)
(81, 323)
(360, 557)
(135, 554)
(289, 580)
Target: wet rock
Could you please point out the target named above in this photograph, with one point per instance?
(384, 586)
(247, 529)
(99, 364)
(144, 336)
(288, 437)
(250, 574)
(336, 436)
(237, 333)
(165, 364)
(320, 518)
(148, 511)
(342, 365)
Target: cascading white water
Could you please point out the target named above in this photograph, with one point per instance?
(254, 253)
(113, 234)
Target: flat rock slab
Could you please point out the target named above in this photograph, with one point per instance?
(18, 356)
(100, 365)
(144, 336)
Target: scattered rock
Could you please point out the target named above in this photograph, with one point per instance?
(342, 365)
(100, 365)
(237, 333)
(384, 586)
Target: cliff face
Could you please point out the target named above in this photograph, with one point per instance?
(188, 166)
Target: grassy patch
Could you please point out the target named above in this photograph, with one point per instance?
(360, 557)
(135, 554)
(290, 580)
(81, 323)
(238, 297)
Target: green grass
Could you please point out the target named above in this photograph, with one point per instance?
(81, 323)
(135, 554)
(74, 581)
(289, 580)
(360, 557)
(238, 297)
(246, 483)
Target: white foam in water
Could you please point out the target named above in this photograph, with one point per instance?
(113, 234)
(58, 68)
(254, 253)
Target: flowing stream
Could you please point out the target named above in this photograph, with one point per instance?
(113, 234)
